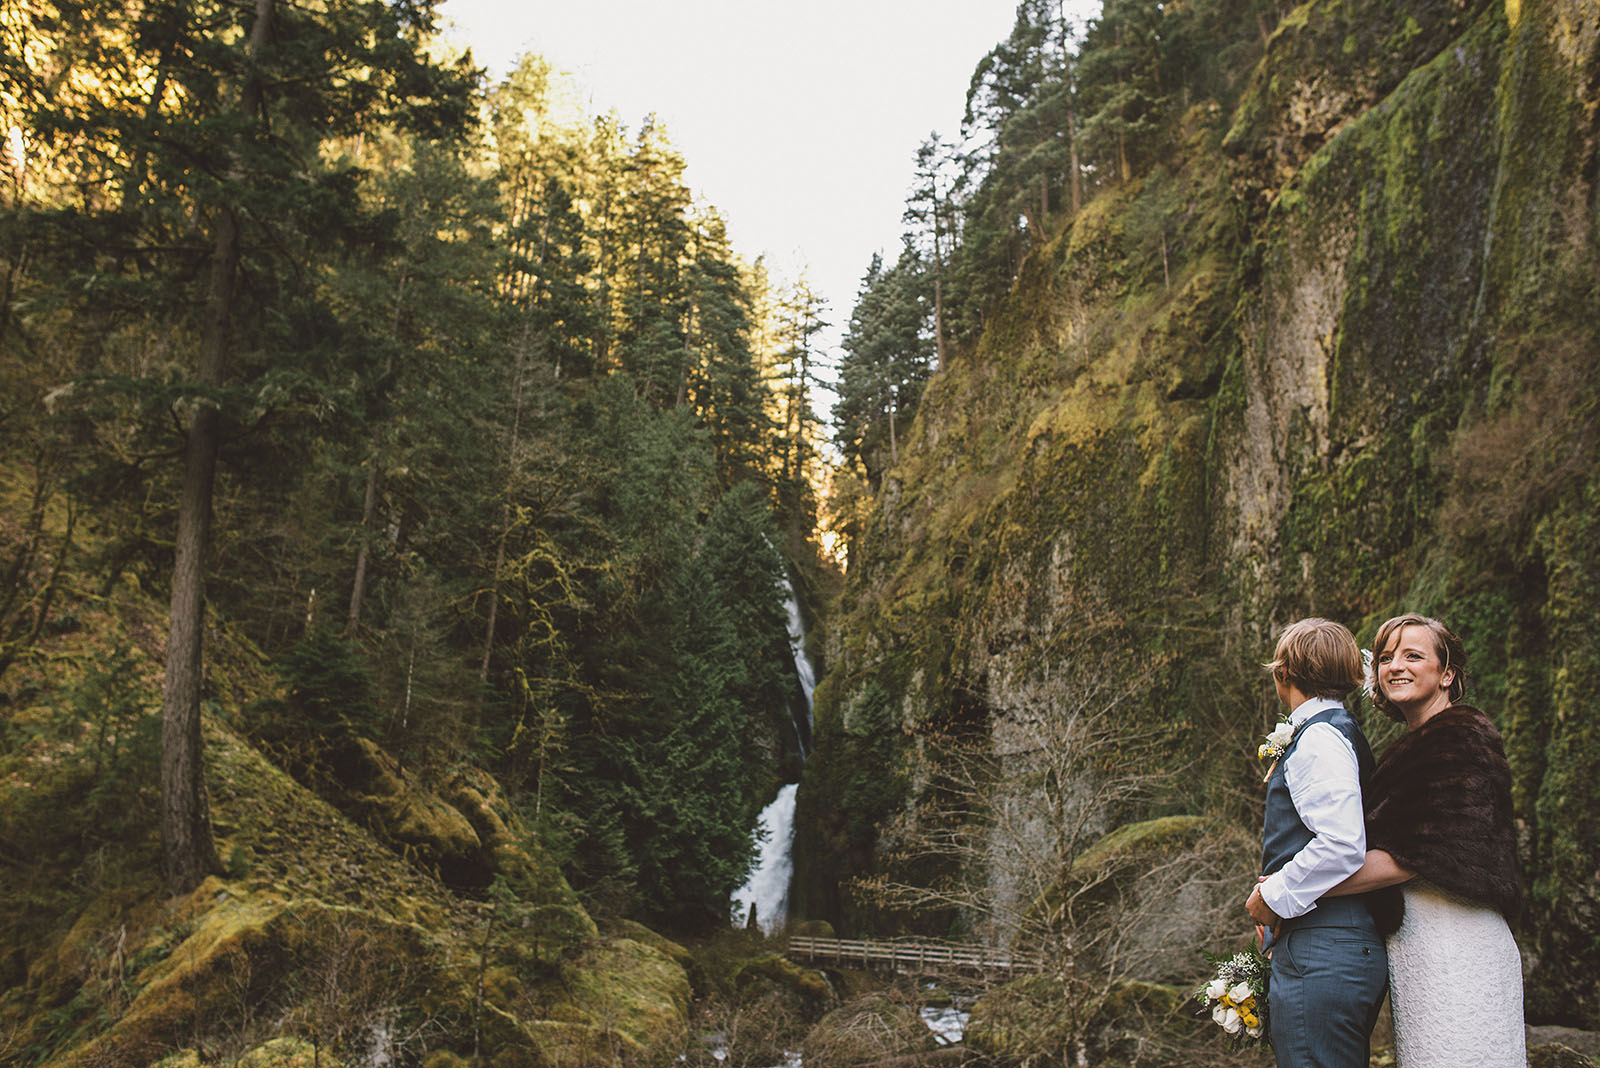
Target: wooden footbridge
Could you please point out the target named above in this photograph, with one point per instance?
(902, 955)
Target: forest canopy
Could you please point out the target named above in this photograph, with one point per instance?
(459, 407)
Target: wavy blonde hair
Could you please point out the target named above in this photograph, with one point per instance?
(1317, 656)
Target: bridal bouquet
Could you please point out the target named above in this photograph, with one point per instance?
(1237, 995)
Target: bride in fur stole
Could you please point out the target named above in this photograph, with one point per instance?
(1439, 828)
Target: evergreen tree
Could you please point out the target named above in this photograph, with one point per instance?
(888, 356)
(215, 174)
(799, 363)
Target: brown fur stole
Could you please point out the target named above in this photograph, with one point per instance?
(1440, 803)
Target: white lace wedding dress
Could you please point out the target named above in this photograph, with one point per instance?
(1455, 985)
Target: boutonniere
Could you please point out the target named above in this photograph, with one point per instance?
(1272, 749)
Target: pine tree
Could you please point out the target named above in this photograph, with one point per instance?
(214, 172)
(888, 358)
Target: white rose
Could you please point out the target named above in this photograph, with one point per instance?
(1217, 988)
(1253, 1032)
(1239, 992)
(1281, 735)
(1233, 1023)
(1219, 1013)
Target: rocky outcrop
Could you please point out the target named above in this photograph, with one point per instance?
(1366, 387)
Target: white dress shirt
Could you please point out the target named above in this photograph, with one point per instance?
(1324, 783)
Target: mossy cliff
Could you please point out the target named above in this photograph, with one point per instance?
(416, 922)
(1364, 383)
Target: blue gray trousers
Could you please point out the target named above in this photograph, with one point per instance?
(1329, 974)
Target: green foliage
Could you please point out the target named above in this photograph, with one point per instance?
(888, 357)
(329, 689)
(500, 438)
(690, 669)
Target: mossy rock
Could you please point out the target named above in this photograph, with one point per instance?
(807, 988)
(284, 1052)
(569, 1044)
(241, 946)
(852, 983)
(1329, 61)
(54, 976)
(511, 851)
(1134, 843)
(1138, 1015)
(416, 822)
(183, 1058)
(868, 1030)
(235, 938)
(628, 988)
(1555, 1055)
(443, 1058)
(811, 929)
(640, 933)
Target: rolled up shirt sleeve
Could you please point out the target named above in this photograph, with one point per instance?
(1324, 783)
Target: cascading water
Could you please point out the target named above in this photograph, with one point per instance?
(767, 888)
(802, 669)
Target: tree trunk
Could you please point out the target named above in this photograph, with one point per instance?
(188, 853)
(894, 448)
(511, 482)
(369, 503)
(1072, 129)
(688, 358)
(369, 516)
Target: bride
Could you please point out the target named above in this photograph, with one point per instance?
(1439, 826)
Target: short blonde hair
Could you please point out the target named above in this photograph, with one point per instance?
(1317, 656)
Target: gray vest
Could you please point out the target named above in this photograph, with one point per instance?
(1282, 833)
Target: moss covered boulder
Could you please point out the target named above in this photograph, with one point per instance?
(615, 992)
(414, 820)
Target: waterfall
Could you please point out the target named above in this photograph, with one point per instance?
(767, 888)
(802, 668)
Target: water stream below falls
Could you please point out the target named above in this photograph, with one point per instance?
(767, 888)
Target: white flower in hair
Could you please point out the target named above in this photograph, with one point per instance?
(1369, 677)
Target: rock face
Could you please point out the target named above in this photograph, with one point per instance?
(1368, 387)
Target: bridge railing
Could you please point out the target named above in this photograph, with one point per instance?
(910, 955)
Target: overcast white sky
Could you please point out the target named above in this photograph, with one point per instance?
(799, 121)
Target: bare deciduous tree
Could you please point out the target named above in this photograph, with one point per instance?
(1034, 834)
